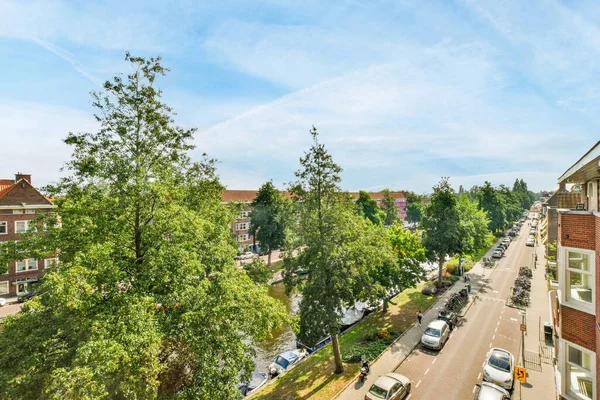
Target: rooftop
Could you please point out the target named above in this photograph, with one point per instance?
(584, 169)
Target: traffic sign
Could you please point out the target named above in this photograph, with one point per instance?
(521, 374)
(523, 328)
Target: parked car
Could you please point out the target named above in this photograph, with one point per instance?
(530, 241)
(436, 335)
(498, 253)
(247, 255)
(507, 239)
(489, 391)
(390, 386)
(499, 368)
(512, 233)
(2, 301)
(27, 296)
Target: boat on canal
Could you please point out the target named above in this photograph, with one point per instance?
(286, 361)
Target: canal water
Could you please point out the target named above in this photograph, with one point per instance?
(282, 339)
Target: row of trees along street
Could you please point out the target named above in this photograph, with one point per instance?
(147, 302)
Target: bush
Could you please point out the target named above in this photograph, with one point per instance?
(370, 347)
(429, 290)
(452, 264)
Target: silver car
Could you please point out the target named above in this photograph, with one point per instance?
(499, 368)
(489, 391)
(390, 386)
(436, 335)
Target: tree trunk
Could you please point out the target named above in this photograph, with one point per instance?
(269, 260)
(441, 266)
(385, 305)
(337, 354)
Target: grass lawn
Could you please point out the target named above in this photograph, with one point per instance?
(276, 265)
(314, 378)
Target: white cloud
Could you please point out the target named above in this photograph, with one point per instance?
(34, 135)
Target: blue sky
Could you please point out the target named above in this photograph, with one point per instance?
(402, 92)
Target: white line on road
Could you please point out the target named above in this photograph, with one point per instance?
(418, 383)
(513, 319)
(496, 329)
(490, 344)
(493, 337)
(434, 360)
(483, 365)
(427, 371)
(474, 388)
(479, 376)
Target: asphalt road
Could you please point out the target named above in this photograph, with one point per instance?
(454, 372)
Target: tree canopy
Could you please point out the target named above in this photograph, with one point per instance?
(369, 208)
(146, 301)
(390, 208)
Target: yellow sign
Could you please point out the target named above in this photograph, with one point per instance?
(521, 374)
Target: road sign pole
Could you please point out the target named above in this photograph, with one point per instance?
(523, 338)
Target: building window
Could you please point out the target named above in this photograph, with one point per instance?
(578, 279)
(17, 211)
(50, 262)
(242, 238)
(29, 211)
(242, 226)
(3, 227)
(4, 287)
(29, 264)
(23, 226)
(578, 365)
(245, 214)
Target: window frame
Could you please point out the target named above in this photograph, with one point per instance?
(49, 261)
(564, 363)
(5, 223)
(565, 283)
(7, 287)
(25, 262)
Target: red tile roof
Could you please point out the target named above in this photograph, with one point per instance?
(5, 186)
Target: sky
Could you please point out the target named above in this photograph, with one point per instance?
(401, 92)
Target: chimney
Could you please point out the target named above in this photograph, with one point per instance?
(19, 176)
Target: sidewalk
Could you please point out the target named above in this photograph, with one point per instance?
(399, 350)
(538, 357)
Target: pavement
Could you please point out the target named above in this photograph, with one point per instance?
(11, 307)
(485, 322)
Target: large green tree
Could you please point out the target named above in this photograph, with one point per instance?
(390, 208)
(335, 246)
(493, 204)
(441, 225)
(145, 302)
(404, 269)
(473, 226)
(269, 218)
(414, 212)
(369, 208)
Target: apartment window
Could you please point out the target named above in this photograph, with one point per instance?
(3, 227)
(23, 226)
(245, 214)
(29, 264)
(18, 211)
(577, 277)
(579, 371)
(50, 262)
(29, 211)
(4, 287)
(242, 238)
(243, 226)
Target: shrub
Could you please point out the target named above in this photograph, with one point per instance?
(429, 290)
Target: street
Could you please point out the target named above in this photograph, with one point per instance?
(457, 368)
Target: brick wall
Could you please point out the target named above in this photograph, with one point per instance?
(580, 229)
(27, 195)
(578, 327)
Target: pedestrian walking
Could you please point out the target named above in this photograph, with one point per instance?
(419, 317)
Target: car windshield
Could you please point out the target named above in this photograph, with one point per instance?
(500, 361)
(378, 392)
(432, 332)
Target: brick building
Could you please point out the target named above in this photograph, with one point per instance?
(240, 227)
(20, 203)
(578, 265)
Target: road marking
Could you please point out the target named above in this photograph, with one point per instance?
(474, 388)
(427, 371)
(496, 330)
(418, 383)
(493, 337)
(513, 319)
(498, 323)
(483, 365)
(490, 344)
(479, 376)
(434, 360)
(495, 291)
(408, 397)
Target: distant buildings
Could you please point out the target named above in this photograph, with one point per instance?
(578, 265)
(20, 203)
(240, 227)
